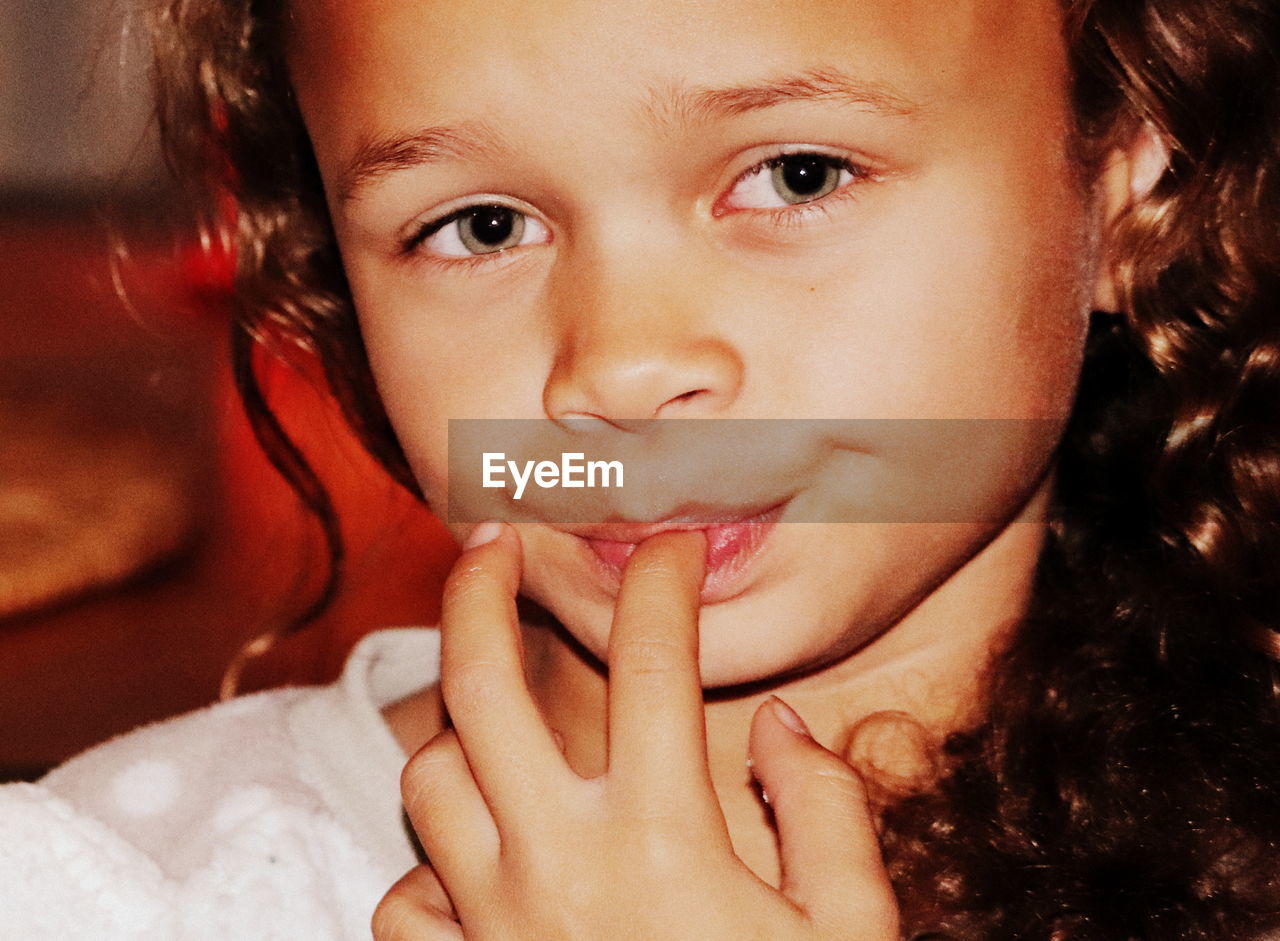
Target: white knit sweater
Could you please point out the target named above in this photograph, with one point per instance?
(274, 816)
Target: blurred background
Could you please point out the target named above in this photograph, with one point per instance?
(144, 540)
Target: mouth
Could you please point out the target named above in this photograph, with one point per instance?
(734, 540)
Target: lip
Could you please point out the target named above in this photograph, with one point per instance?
(688, 517)
(734, 541)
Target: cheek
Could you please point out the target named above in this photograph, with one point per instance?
(420, 386)
(971, 307)
(438, 358)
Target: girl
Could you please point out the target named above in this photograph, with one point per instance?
(1062, 705)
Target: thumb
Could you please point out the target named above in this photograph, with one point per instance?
(831, 862)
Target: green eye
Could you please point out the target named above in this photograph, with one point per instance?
(488, 229)
(802, 178)
(793, 179)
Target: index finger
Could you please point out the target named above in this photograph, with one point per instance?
(657, 730)
(509, 748)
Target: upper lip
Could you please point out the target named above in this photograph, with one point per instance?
(688, 518)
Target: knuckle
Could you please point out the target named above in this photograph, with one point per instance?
(874, 919)
(841, 791)
(661, 841)
(394, 917)
(659, 853)
(466, 581)
(835, 772)
(653, 566)
(531, 874)
(650, 655)
(838, 773)
(425, 767)
(472, 683)
(829, 782)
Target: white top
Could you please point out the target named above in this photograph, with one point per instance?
(273, 816)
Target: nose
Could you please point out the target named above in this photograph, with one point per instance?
(628, 352)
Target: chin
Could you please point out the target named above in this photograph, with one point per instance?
(751, 639)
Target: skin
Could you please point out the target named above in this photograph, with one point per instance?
(951, 279)
(529, 849)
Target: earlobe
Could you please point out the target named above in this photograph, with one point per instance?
(1129, 175)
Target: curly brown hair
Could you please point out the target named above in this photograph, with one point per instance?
(1125, 782)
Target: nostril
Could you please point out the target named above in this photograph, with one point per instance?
(586, 423)
(614, 380)
(681, 399)
(583, 421)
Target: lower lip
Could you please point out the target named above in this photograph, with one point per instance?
(730, 551)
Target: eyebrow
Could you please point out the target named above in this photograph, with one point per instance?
(820, 84)
(379, 157)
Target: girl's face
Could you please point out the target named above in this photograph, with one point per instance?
(716, 209)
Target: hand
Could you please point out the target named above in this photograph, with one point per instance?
(524, 848)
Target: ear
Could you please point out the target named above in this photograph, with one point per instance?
(1128, 176)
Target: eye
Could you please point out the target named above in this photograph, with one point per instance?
(791, 180)
(478, 230)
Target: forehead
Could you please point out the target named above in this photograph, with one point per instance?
(364, 67)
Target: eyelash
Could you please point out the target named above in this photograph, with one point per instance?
(786, 217)
(800, 214)
(428, 229)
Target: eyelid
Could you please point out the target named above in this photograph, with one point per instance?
(861, 168)
(414, 234)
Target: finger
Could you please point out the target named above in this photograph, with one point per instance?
(657, 728)
(416, 909)
(509, 748)
(831, 861)
(423, 882)
(422, 887)
(450, 816)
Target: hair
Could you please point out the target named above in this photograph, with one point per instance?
(1124, 780)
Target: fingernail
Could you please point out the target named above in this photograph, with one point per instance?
(788, 717)
(487, 531)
